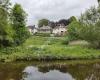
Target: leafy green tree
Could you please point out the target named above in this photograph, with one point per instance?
(71, 19)
(42, 22)
(19, 24)
(5, 4)
(91, 33)
(91, 16)
(90, 30)
(65, 22)
(5, 28)
(73, 30)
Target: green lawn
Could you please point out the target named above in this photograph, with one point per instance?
(37, 48)
(37, 40)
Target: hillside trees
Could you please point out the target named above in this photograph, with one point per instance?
(65, 22)
(43, 22)
(53, 24)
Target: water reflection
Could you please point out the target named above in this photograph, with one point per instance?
(63, 72)
(32, 73)
(83, 70)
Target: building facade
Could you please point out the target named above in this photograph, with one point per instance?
(59, 30)
(44, 29)
(32, 29)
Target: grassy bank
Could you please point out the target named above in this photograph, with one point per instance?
(48, 48)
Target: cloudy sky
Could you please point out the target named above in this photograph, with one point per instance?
(54, 9)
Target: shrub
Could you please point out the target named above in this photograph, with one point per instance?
(90, 30)
(73, 30)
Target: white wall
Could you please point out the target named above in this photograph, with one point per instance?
(33, 31)
(59, 30)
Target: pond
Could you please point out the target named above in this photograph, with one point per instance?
(57, 70)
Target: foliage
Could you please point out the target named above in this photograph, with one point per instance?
(87, 28)
(19, 24)
(52, 24)
(6, 31)
(55, 50)
(73, 30)
(91, 27)
(91, 16)
(72, 18)
(43, 22)
(64, 22)
(5, 4)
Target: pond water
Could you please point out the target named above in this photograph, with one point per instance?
(58, 70)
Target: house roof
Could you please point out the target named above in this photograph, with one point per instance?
(60, 26)
(45, 27)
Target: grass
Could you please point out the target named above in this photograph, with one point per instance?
(48, 48)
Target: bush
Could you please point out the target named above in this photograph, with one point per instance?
(90, 30)
(91, 33)
(73, 30)
(66, 41)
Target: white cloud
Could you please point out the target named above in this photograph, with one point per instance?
(54, 9)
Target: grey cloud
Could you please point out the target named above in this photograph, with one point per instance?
(54, 9)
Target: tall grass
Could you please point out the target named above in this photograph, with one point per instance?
(55, 50)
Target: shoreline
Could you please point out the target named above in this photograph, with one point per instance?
(9, 59)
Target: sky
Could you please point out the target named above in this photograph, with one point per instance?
(53, 10)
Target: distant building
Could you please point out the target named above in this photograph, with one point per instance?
(32, 29)
(44, 29)
(59, 30)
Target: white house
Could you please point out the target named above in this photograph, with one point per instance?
(59, 30)
(44, 29)
(32, 29)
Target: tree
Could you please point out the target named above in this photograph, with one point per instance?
(87, 28)
(5, 28)
(19, 24)
(5, 4)
(42, 22)
(90, 30)
(71, 19)
(91, 16)
(73, 30)
(64, 22)
(52, 24)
